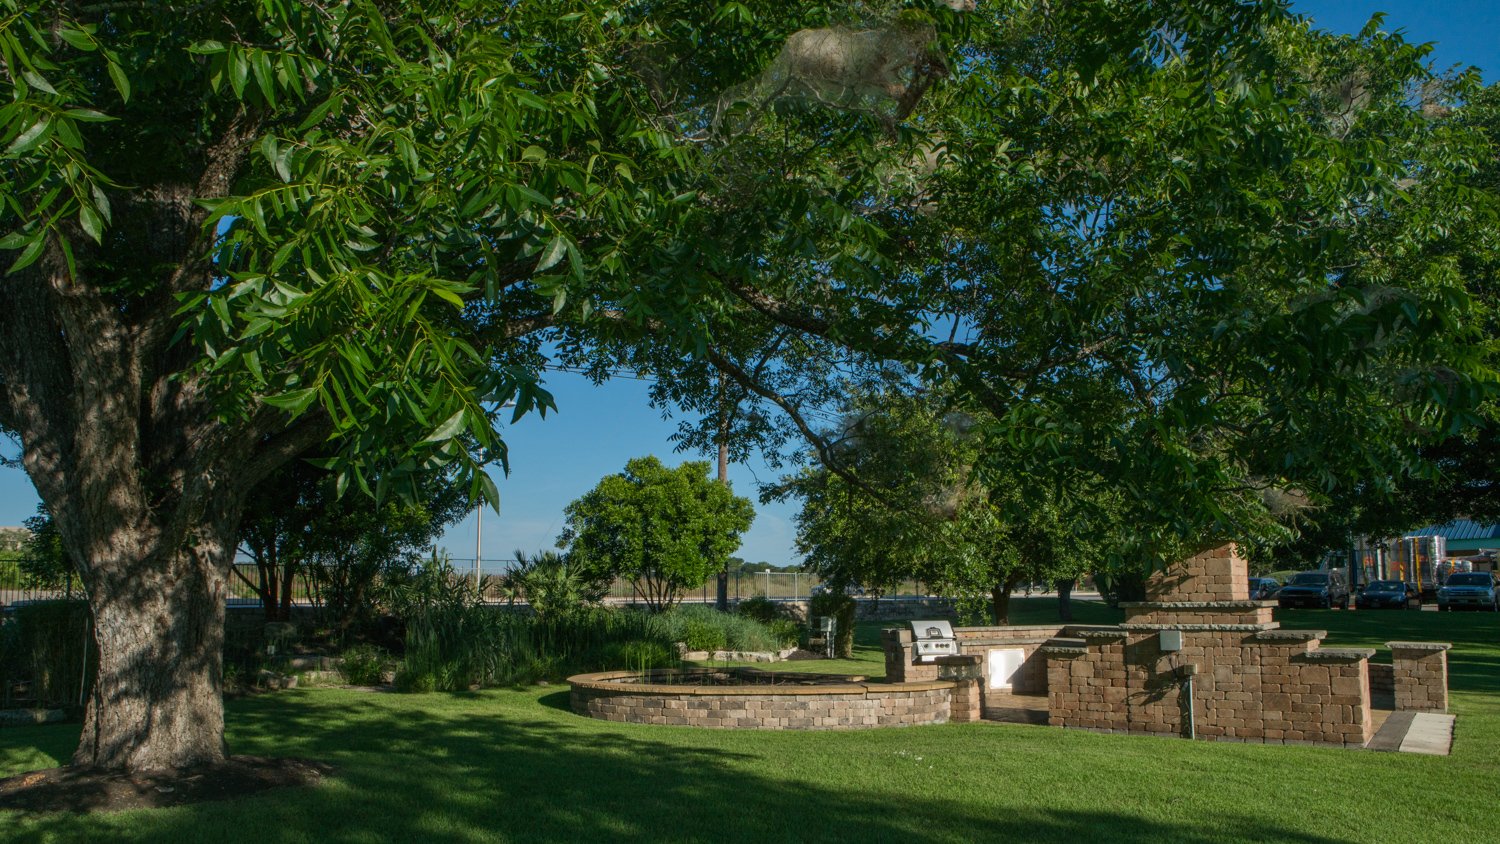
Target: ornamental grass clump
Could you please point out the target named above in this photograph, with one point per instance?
(454, 642)
(364, 665)
(703, 628)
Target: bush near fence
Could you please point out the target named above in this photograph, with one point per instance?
(50, 648)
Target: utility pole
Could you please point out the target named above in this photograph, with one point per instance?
(723, 437)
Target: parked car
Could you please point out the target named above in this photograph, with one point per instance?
(1324, 589)
(851, 591)
(1475, 590)
(1263, 588)
(1387, 594)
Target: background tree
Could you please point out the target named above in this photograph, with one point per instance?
(43, 561)
(909, 503)
(296, 525)
(666, 530)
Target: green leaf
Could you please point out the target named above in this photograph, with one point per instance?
(553, 253)
(78, 38)
(92, 223)
(449, 429)
(88, 115)
(448, 296)
(36, 81)
(28, 256)
(29, 139)
(122, 82)
(294, 402)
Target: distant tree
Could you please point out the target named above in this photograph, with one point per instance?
(297, 524)
(910, 501)
(44, 563)
(666, 530)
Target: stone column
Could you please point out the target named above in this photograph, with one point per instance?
(964, 672)
(1420, 672)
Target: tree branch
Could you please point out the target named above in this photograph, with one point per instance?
(825, 452)
(291, 443)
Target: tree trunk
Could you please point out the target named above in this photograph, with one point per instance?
(288, 578)
(159, 624)
(1065, 598)
(1000, 601)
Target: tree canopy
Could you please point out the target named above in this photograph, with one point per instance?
(666, 530)
(1195, 252)
(916, 505)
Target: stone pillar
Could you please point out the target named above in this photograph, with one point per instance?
(967, 676)
(1063, 700)
(1420, 674)
(896, 642)
(900, 665)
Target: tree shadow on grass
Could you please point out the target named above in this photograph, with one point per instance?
(506, 772)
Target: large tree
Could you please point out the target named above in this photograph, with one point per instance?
(244, 230)
(665, 530)
(1157, 240)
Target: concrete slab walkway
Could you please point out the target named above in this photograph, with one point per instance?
(1430, 733)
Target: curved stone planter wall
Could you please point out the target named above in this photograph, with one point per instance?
(840, 706)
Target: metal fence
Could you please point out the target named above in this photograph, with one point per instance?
(17, 588)
(776, 585)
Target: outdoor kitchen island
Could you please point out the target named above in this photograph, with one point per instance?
(1197, 659)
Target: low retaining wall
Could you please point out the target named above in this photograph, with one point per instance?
(843, 706)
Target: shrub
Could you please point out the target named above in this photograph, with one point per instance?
(453, 642)
(10, 660)
(56, 650)
(761, 609)
(788, 633)
(553, 584)
(415, 681)
(641, 655)
(704, 628)
(700, 635)
(363, 665)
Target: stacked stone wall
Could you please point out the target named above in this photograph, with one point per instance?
(1249, 681)
(842, 707)
(1031, 679)
(1420, 675)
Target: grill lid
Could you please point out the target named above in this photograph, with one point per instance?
(931, 629)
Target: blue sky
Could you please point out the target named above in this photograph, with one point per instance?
(597, 429)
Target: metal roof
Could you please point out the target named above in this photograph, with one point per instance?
(1460, 529)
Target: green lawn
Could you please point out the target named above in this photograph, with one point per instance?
(515, 765)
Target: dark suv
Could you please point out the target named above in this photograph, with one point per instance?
(1476, 590)
(1315, 589)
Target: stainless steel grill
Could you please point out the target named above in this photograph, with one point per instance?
(933, 639)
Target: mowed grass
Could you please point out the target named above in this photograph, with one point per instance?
(516, 765)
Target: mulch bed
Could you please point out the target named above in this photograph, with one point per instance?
(77, 790)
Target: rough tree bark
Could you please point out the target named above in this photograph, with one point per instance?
(144, 477)
(159, 623)
(1065, 598)
(1000, 599)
